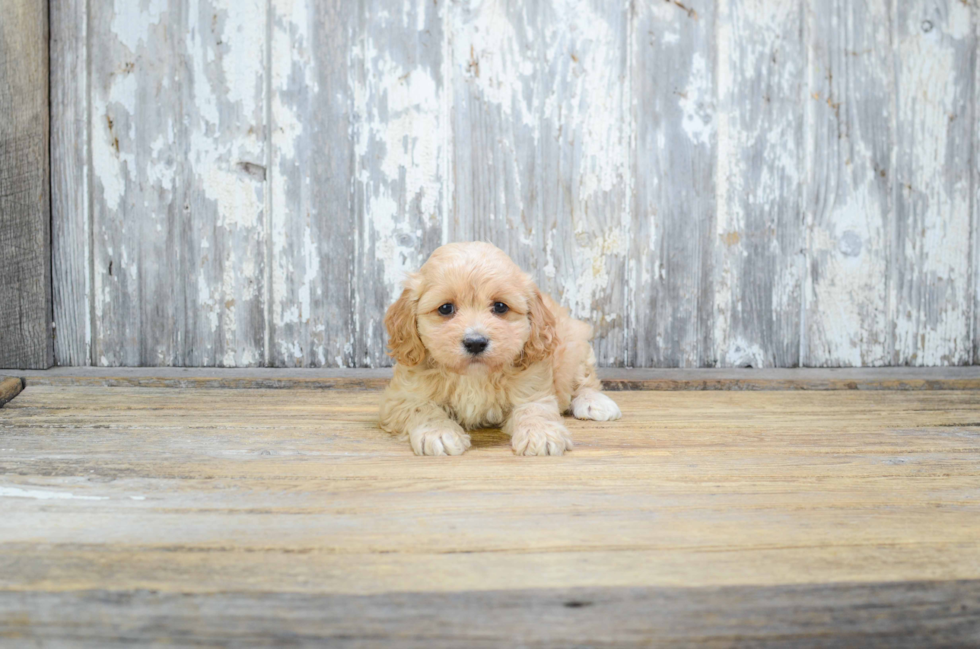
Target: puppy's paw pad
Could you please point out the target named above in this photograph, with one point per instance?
(541, 438)
(595, 406)
(439, 441)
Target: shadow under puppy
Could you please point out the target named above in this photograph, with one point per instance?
(476, 344)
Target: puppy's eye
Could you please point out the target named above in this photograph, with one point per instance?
(447, 309)
(500, 308)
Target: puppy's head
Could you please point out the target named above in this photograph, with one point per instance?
(470, 307)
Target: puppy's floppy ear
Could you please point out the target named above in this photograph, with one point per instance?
(404, 343)
(541, 343)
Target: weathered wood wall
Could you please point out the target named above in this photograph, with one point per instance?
(710, 182)
(25, 239)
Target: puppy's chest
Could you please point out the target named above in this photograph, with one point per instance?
(476, 401)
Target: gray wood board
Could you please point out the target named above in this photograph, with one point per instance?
(71, 235)
(178, 150)
(897, 378)
(899, 614)
(311, 247)
(850, 117)
(541, 148)
(708, 183)
(674, 110)
(934, 57)
(25, 226)
(400, 174)
(788, 518)
(758, 241)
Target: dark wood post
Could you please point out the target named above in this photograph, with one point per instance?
(25, 223)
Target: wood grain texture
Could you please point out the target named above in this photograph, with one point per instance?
(709, 511)
(759, 237)
(540, 148)
(709, 183)
(71, 235)
(935, 57)
(894, 378)
(674, 109)
(850, 166)
(178, 154)
(25, 193)
(402, 146)
(975, 195)
(902, 614)
(312, 246)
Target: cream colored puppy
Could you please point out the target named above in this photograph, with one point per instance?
(476, 345)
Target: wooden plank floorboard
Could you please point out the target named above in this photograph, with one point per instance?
(615, 379)
(25, 192)
(900, 614)
(215, 516)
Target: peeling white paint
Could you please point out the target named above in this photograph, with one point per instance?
(742, 353)
(160, 172)
(133, 19)
(695, 100)
(549, 88)
(242, 34)
(311, 274)
(112, 161)
(758, 178)
(399, 150)
(929, 324)
(726, 219)
(593, 278)
(488, 51)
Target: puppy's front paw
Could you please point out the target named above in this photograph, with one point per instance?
(539, 437)
(439, 441)
(594, 405)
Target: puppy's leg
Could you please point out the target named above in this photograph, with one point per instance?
(535, 428)
(588, 401)
(429, 429)
(439, 438)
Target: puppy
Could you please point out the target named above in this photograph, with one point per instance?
(476, 344)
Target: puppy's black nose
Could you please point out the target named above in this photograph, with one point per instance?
(475, 343)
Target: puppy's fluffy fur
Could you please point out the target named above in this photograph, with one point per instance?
(538, 362)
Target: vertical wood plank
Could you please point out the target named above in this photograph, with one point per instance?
(223, 224)
(401, 135)
(759, 234)
(25, 227)
(585, 165)
(312, 245)
(70, 232)
(264, 173)
(178, 153)
(849, 205)
(934, 62)
(674, 107)
(975, 195)
(495, 117)
(133, 82)
(541, 139)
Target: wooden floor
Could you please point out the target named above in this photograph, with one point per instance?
(208, 517)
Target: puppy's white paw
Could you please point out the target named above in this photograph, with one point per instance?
(439, 441)
(541, 437)
(594, 405)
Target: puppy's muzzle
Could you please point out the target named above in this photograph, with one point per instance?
(475, 344)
